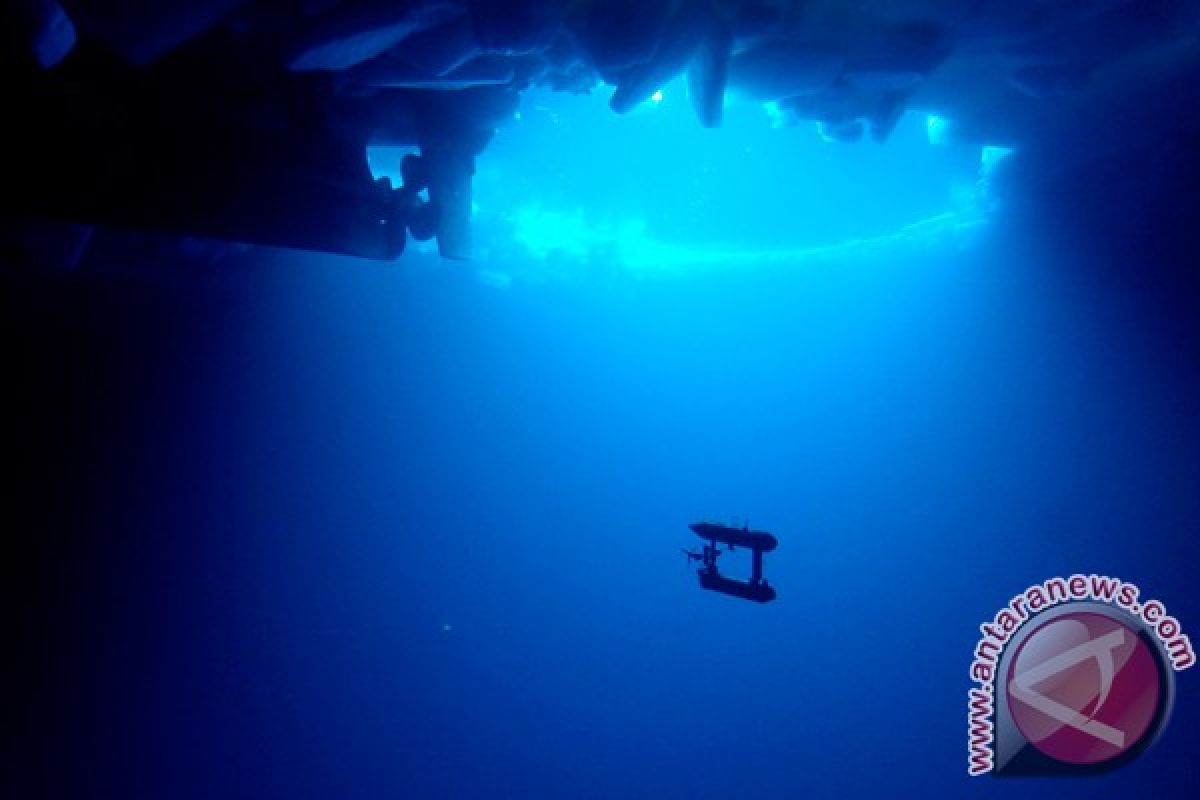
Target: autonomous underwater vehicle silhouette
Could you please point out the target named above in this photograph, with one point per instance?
(759, 542)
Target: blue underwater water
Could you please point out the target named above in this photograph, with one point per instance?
(331, 528)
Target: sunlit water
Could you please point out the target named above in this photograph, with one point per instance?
(413, 530)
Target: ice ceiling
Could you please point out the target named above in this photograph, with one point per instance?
(1003, 71)
(1061, 81)
(1000, 71)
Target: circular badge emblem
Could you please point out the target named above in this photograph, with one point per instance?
(1084, 688)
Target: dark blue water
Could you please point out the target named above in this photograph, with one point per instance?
(326, 528)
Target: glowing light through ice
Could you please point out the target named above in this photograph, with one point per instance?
(545, 234)
(584, 192)
(937, 129)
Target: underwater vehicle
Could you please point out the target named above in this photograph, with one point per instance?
(759, 542)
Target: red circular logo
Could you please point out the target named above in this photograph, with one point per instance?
(1083, 688)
